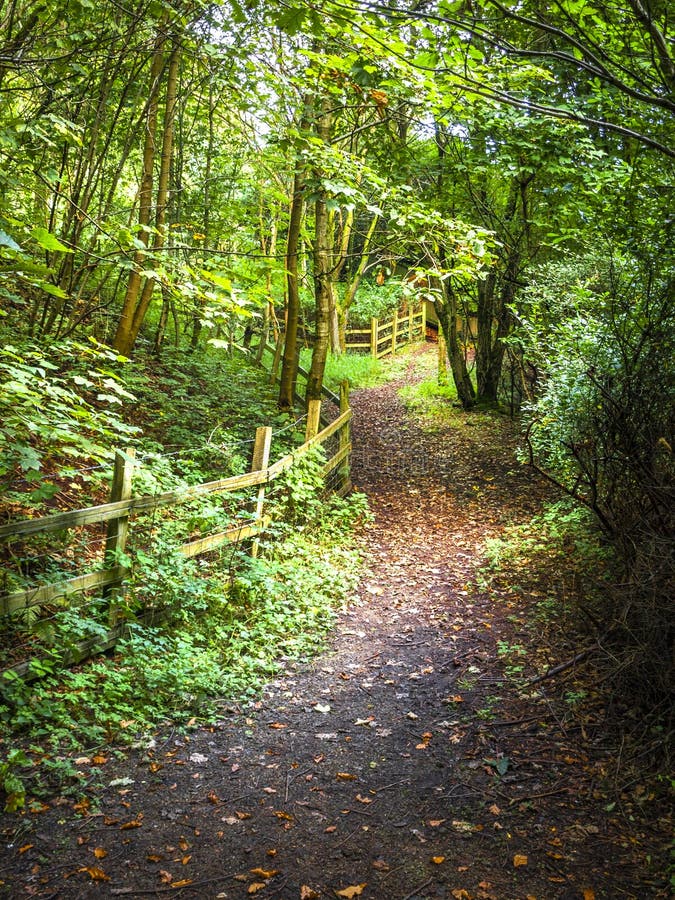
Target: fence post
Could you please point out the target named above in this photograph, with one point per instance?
(423, 336)
(345, 437)
(394, 332)
(373, 338)
(313, 419)
(261, 458)
(118, 529)
(410, 324)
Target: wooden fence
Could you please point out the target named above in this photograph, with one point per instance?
(385, 338)
(108, 580)
(382, 338)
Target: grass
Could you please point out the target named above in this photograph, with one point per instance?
(360, 370)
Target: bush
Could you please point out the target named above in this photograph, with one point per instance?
(601, 428)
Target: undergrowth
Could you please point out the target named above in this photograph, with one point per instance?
(359, 369)
(222, 631)
(198, 632)
(555, 574)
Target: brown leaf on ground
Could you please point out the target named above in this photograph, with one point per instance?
(308, 893)
(95, 873)
(353, 891)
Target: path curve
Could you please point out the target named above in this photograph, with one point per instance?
(392, 767)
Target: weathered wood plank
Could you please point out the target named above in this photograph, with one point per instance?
(91, 646)
(38, 596)
(106, 511)
(335, 461)
(231, 536)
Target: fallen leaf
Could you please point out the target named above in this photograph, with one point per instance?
(461, 894)
(330, 829)
(519, 860)
(308, 893)
(242, 815)
(364, 799)
(100, 853)
(186, 859)
(212, 797)
(269, 790)
(25, 848)
(154, 857)
(589, 894)
(283, 815)
(182, 883)
(95, 873)
(466, 827)
(134, 823)
(434, 823)
(494, 809)
(278, 725)
(412, 716)
(381, 865)
(256, 886)
(165, 877)
(264, 873)
(100, 760)
(353, 891)
(438, 860)
(322, 708)
(345, 776)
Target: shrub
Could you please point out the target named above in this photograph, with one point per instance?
(601, 429)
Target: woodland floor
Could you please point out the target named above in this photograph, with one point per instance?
(404, 762)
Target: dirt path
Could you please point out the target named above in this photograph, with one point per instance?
(401, 764)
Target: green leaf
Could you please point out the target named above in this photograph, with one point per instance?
(7, 241)
(48, 241)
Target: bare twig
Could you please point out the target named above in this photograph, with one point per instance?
(556, 670)
(418, 889)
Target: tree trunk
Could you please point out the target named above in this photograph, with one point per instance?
(323, 283)
(123, 337)
(322, 299)
(493, 326)
(289, 365)
(445, 304)
(162, 192)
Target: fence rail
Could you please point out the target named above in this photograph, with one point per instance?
(385, 338)
(117, 514)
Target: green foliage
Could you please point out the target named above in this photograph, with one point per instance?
(359, 369)
(220, 630)
(54, 402)
(600, 423)
(11, 782)
(375, 301)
